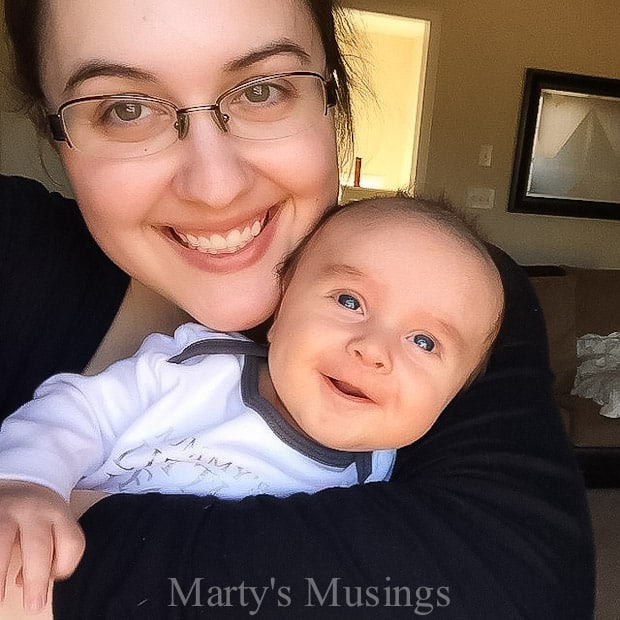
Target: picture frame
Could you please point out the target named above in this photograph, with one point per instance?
(567, 155)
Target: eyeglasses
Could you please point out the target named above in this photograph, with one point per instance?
(131, 126)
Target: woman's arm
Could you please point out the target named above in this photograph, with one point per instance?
(59, 291)
(485, 517)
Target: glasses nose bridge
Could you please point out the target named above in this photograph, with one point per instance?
(182, 124)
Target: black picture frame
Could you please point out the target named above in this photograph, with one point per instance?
(567, 155)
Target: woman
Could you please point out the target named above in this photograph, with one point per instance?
(196, 189)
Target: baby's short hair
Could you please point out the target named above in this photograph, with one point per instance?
(436, 212)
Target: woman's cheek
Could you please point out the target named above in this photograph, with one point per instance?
(123, 190)
(307, 163)
(323, 157)
(119, 201)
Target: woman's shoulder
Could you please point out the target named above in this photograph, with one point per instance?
(45, 224)
(60, 292)
(17, 192)
(30, 214)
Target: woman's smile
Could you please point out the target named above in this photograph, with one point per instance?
(217, 243)
(227, 241)
(229, 250)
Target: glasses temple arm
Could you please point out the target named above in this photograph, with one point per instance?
(331, 93)
(56, 127)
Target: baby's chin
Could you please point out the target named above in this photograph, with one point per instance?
(355, 444)
(342, 444)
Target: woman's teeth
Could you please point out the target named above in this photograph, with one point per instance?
(230, 242)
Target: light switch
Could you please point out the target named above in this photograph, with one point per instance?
(485, 157)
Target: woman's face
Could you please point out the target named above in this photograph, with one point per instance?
(149, 214)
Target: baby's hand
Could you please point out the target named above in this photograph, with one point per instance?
(39, 524)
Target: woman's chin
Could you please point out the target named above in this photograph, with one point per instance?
(236, 315)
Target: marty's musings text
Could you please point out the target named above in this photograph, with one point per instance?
(421, 600)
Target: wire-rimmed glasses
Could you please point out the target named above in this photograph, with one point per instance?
(126, 126)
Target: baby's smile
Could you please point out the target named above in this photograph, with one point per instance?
(347, 389)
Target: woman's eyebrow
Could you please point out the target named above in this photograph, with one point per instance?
(282, 46)
(99, 68)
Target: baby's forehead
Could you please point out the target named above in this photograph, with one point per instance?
(362, 233)
(369, 218)
(420, 237)
(360, 223)
(442, 226)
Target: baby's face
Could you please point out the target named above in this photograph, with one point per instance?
(379, 328)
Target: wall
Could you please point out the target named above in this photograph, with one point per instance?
(481, 48)
(484, 47)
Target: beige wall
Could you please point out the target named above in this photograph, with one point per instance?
(481, 50)
(484, 47)
(21, 151)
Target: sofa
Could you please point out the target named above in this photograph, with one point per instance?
(575, 302)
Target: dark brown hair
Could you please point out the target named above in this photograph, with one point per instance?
(24, 23)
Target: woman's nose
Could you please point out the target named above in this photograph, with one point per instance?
(211, 168)
(372, 351)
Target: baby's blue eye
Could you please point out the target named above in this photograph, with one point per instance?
(349, 302)
(424, 342)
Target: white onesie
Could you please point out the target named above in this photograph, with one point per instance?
(183, 415)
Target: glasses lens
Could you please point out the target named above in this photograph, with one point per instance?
(273, 107)
(118, 127)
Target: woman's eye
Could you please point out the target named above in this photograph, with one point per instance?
(273, 97)
(258, 93)
(349, 302)
(423, 341)
(272, 93)
(124, 114)
(127, 120)
(127, 111)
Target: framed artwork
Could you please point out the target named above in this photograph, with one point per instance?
(567, 157)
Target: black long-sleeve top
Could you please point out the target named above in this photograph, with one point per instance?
(485, 517)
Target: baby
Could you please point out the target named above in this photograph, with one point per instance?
(389, 309)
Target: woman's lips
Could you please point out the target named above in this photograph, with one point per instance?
(226, 242)
(222, 243)
(230, 250)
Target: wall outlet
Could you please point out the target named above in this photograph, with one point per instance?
(480, 198)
